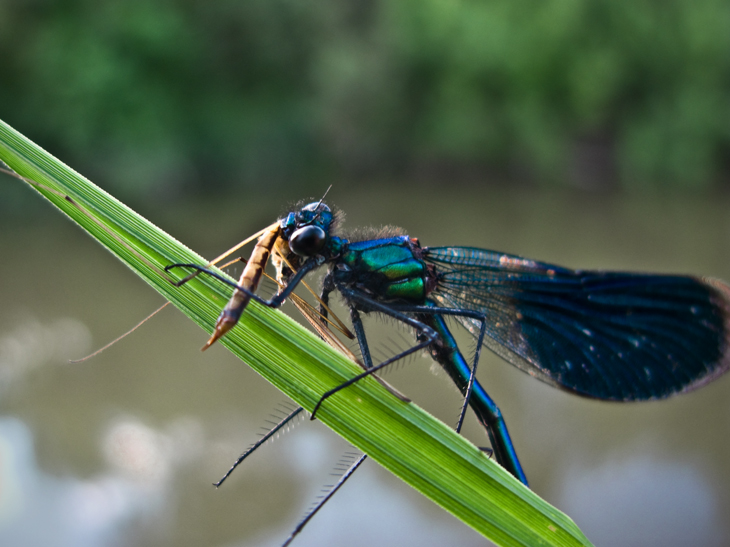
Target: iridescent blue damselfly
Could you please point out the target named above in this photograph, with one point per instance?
(604, 335)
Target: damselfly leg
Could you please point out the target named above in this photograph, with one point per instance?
(433, 333)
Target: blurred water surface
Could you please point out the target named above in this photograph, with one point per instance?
(122, 449)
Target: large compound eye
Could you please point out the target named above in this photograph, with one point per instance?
(307, 241)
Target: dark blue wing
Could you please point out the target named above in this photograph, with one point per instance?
(608, 335)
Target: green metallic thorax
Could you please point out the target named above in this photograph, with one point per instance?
(387, 269)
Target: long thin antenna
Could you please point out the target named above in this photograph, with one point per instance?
(324, 196)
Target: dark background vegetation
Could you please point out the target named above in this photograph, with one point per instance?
(173, 97)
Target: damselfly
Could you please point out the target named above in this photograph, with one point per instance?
(604, 335)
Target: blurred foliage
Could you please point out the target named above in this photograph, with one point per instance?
(158, 98)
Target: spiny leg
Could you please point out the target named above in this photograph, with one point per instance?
(305, 311)
(357, 326)
(487, 410)
(366, 357)
(359, 330)
(463, 375)
(273, 431)
(368, 363)
(275, 301)
(397, 312)
(438, 311)
(425, 333)
(299, 527)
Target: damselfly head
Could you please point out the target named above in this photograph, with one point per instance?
(307, 229)
(315, 212)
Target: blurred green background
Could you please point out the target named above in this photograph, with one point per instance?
(590, 134)
(165, 98)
